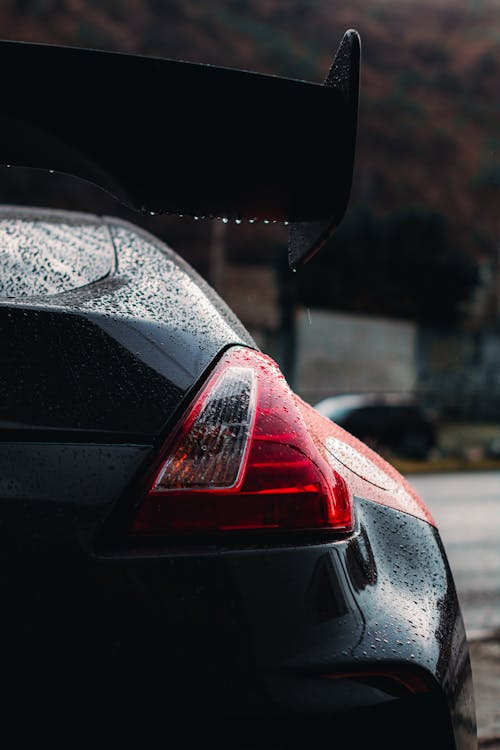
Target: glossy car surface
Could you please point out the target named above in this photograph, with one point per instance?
(123, 621)
(386, 421)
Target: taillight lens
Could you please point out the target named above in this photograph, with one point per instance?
(243, 460)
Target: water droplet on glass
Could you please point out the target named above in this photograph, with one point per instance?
(225, 220)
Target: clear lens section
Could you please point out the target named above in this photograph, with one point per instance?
(212, 446)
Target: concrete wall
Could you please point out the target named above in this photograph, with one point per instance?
(341, 353)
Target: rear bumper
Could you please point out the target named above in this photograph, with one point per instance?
(359, 640)
(414, 725)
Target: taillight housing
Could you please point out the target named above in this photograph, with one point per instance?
(242, 460)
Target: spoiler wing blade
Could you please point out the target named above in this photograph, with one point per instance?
(168, 136)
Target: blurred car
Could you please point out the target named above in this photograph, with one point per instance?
(190, 554)
(394, 423)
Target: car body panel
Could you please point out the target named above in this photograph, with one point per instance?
(258, 641)
(115, 357)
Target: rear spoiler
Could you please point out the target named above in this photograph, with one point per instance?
(178, 137)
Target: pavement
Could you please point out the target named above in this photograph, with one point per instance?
(485, 658)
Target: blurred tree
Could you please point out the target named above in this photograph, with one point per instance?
(403, 265)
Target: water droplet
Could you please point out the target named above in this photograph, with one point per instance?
(225, 220)
(51, 171)
(238, 221)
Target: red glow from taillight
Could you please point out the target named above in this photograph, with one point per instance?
(271, 478)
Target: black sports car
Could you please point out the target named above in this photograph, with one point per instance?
(191, 555)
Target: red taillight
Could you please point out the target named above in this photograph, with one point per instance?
(242, 460)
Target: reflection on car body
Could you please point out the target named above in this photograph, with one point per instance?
(386, 421)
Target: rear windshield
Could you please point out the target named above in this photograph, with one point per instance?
(40, 257)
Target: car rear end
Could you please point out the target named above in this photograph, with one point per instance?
(189, 552)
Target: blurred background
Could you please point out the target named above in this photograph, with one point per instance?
(394, 328)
